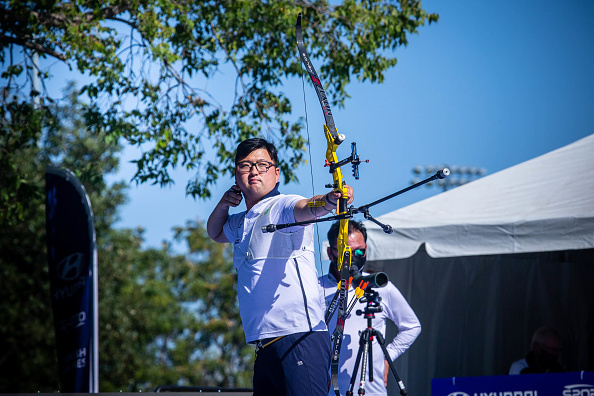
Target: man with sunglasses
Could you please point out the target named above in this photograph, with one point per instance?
(394, 308)
(281, 308)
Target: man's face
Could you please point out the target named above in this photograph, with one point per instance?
(356, 242)
(550, 344)
(547, 352)
(253, 184)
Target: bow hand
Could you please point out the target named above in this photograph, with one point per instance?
(347, 193)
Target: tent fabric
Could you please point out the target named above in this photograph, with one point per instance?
(478, 313)
(544, 204)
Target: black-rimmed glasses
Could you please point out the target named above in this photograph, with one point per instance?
(261, 166)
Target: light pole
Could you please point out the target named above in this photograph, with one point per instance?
(459, 175)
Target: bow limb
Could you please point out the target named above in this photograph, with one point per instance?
(317, 85)
(334, 140)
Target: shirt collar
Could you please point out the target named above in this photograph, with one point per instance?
(272, 193)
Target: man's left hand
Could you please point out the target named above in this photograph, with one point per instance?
(334, 195)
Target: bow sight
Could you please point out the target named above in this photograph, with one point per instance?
(353, 160)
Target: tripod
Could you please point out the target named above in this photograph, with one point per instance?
(372, 298)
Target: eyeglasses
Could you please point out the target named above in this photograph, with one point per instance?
(261, 166)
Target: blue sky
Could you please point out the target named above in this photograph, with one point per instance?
(492, 84)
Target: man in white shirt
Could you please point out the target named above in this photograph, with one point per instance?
(543, 356)
(281, 309)
(394, 307)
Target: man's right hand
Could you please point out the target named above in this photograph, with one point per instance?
(232, 197)
(220, 214)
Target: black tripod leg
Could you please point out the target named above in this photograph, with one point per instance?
(370, 359)
(357, 362)
(382, 342)
(367, 347)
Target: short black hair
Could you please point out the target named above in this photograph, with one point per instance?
(542, 334)
(353, 225)
(247, 146)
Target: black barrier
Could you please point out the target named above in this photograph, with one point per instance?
(215, 389)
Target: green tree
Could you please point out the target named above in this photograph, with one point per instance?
(27, 344)
(164, 318)
(19, 159)
(170, 319)
(224, 359)
(147, 62)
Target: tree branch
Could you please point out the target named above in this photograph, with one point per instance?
(34, 46)
(59, 19)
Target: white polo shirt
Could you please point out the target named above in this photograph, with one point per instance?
(277, 279)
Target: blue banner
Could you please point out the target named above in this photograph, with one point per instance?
(71, 257)
(553, 384)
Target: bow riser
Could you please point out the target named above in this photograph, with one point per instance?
(339, 185)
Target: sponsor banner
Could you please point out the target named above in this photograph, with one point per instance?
(553, 384)
(71, 264)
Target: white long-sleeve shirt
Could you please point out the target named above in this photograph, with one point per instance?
(394, 307)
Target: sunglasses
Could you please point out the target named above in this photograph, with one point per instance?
(356, 252)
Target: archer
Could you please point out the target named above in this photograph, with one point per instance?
(279, 299)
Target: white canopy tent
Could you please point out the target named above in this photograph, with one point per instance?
(544, 204)
(484, 265)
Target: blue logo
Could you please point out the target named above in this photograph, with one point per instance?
(578, 390)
